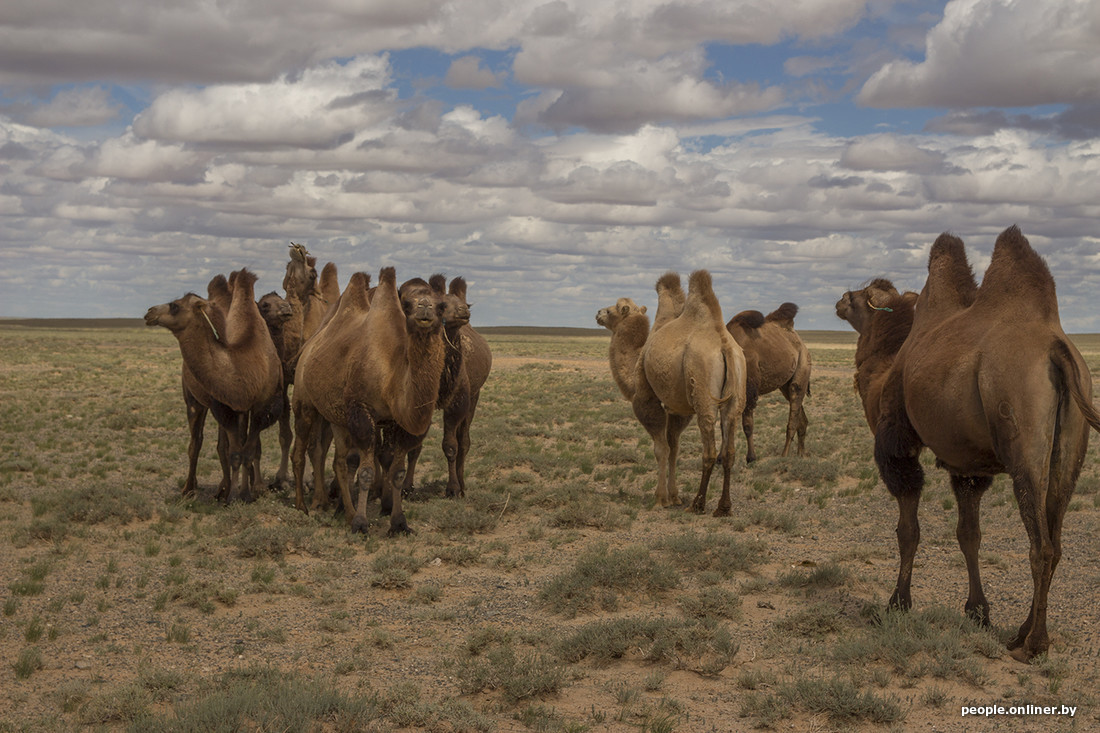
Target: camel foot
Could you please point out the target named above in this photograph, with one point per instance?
(722, 511)
(699, 506)
(750, 458)
(1020, 654)
(399, 526)
(359, 525)
(979, 614)
(899, 602)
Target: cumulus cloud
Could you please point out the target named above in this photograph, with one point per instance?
(1003, 53)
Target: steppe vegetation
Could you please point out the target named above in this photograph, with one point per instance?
(553, 597)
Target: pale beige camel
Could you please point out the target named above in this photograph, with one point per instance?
(988, 381)
(373, 369)
(629, 326)
(231, 367)
(466, 369)
(776, 359)
(691, 366)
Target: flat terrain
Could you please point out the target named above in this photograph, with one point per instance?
(553, 597)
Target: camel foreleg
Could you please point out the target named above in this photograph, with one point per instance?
(797, 422)
(196, 422)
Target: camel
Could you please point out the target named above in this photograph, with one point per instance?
(231, 367)
(775, 358)
(691, 366)
(990, 383)
(375, 367)
(629, 326)
(466, 368)
(309, 303)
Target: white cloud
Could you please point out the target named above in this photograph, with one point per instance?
(1007, 53)
(468, 73)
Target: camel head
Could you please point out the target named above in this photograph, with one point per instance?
(424, 308)
(301, 273)
(856, 306)
(187, 312)
(613, 315)
(274, 309)
(456, 311)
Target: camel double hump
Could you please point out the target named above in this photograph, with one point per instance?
(231, 368)
(373, 371)
(691, 366)
(775, 359)
(984, 377)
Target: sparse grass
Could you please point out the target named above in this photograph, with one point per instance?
(554, 571)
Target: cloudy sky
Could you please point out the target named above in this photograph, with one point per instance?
(559, 154)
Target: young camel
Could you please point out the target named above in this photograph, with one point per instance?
(374, 369)
(691, 366)
(987, 380)
(775, 358)
(231, 367)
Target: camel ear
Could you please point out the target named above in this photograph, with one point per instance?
(643, 310)
(458, 287)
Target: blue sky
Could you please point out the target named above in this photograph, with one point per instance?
(558, 154)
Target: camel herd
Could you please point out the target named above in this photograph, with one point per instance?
(369, 367)
(982, 375)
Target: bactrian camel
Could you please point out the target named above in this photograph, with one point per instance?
(691, 366)
(466, 368)
(775, 358)
(230, 367)
(989, 382)
(374, 368)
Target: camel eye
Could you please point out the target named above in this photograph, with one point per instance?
(173, 308)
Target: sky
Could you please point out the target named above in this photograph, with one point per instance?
(558, 154)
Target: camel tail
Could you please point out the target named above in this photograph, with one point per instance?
(1079, 387)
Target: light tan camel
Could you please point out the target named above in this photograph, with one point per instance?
(629, 326)
(987, 380)
(373, 368)
(691, 366)
(466, 368)
(775, 358)
(231, 367)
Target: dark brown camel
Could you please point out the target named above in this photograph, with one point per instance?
(691, 366)
(466, 368)
(230, 367)
(374, 367)
(775, 358)
(988, 381)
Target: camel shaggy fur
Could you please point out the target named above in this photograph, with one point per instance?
(629, 326)
(374, 369)
(231, 367)
(989, 382)
(691, 366)
(775, 358)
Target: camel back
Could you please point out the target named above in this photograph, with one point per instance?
(1018, 276)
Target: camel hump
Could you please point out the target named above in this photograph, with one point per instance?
(950, 286)
(244, 280)
(458, 288)
(218, 291)
(701, 298)
(669, 281)
(1017, 273)
(783, 315)
(748, 320)
(330, 287)
(438, 283)
(387, 276)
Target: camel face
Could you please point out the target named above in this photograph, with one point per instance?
(274, 309)
(423, 311)
(177, 315)
(456, 313)
(612, 315)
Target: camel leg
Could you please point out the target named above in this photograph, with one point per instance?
(340, 467)
(1032, 639)
(305, 429)
(651, 414)
(223, 461)
(410, 469)
(968, 493)
(797, 422)
(464, 445)
(396, 445)
(286, 438)
(727, 455)
(454, 415)
(674, 428)
(710, 455)
(746, 427)
(196, 421)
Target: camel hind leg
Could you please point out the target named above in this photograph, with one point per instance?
(897, 453)
(651, 414)
(968, 493)
(196, 422)
(797, 422)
